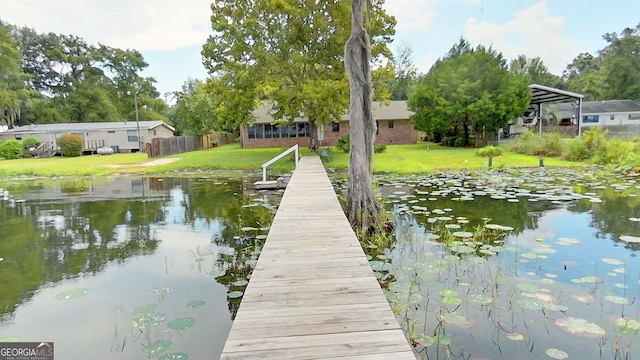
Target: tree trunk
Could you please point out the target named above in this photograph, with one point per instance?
(313, 135)
(363, 210)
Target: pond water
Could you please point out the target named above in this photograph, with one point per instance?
(128, 268)
(519, 264)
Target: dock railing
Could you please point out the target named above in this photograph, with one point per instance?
(294, 148)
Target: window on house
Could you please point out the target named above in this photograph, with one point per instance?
(377, 127)
(590, 118)
(303, 129)
(335, 127)
(154, 133)
(251, 132)
(391, 124)
(612, 117)
(132, 136)
(271, 131)
(634, 116)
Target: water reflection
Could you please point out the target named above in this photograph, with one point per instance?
(139, 253)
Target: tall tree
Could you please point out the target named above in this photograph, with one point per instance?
(363, 210)
(405, 73)
(12, 79)
(78, 81)
(288, 53)
(469, 89)
(535, 71)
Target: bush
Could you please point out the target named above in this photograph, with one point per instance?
(70, 145)
(326, 155)
(344, 142)
(489, 151)
(449, 140)
(379, 148)
(530, 144)
(30, 142)
(459, 142)
(11, 149)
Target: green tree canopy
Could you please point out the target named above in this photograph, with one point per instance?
(74, 81)
(12, 78)
(287, 52)
(614, 73)
(468, 89)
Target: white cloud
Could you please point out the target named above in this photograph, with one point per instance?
(141, 24)
(412, 15)
(532, 32)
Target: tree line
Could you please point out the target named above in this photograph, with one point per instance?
(53, 78)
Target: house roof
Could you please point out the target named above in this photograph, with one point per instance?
(599, 107)
(95, 126)
(395, 110)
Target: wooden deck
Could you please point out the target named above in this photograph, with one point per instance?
(313, 294)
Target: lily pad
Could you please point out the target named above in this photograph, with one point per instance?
(240, 283)
(423, 340)
(530, 288)
(515, 336)
(10, 339)
(146, 308)
(72, 294)
(580, 327)
(181, 323)
(587, 279)
(463, 234)
(174, 356)
(156, 348)
(529, 304)
(630, 239)
(556, 354)
(196, 304)
(456, 319)
(148, 320)
(612, 261)
(616, 299)
(235, 294)
(628, 326)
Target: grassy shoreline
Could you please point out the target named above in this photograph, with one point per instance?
(232, 159)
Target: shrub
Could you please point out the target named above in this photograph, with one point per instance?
(576, 150)
(30, 142)
(489, 151)
(379, 148)
(344, 142)
(11, 149)
(70, 145)
(459, 142)
(326, 155)
(449, 140)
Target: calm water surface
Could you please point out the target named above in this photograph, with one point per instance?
(537, 264)
(128, 268)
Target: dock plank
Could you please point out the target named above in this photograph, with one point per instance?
(312, 294)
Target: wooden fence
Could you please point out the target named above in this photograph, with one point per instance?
(176, 145)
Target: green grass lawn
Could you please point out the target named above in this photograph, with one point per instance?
(413, 158)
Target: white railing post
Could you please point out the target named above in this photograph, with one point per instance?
(294, 148)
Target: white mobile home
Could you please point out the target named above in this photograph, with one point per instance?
(120, 136)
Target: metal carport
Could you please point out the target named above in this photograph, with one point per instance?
(541, 94)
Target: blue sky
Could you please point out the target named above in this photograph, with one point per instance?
(170, 33)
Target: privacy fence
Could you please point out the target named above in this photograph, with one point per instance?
(180, 144)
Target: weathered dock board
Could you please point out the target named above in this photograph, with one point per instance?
(313, 294)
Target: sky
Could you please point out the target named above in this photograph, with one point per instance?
(170, 33)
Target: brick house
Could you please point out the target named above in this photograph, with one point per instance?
(393, 120)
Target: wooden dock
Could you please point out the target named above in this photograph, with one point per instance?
(313, 294)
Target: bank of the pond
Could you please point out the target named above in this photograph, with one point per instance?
(402, 159)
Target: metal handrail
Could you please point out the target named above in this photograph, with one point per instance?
(282, 154)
